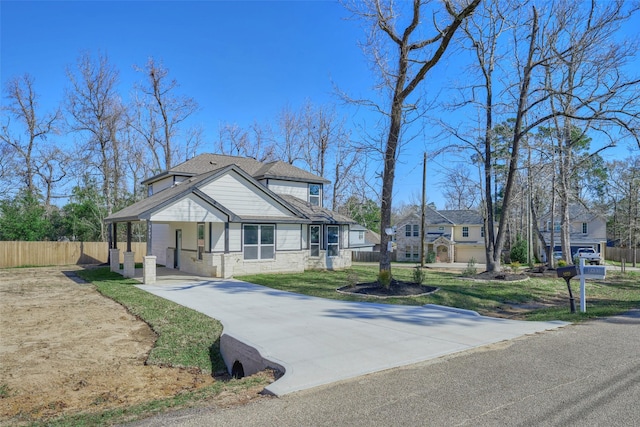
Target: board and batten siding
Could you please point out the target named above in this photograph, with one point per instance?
(160, 242)
(217, 237)
(296, 189)
(235, 237)
(288, 237)
(189, 209)
(162, 184)
(243, 198)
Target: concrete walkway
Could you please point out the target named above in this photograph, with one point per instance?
(319, 341)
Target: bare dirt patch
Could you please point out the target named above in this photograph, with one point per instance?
(64, 348)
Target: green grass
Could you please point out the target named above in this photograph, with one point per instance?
(617, 294)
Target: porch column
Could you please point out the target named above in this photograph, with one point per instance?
(149, 261)
(149, 270)
(149, 238)
(129, 264)
(114, 260)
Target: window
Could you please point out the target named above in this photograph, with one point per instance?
(440, 228)
(407, 252)
(465, 231)
(200, 239)
(416, 252)
(314, 194)
(333, 245)
(416, 230)
(259, 241)
(482, 231)
(407, 230)
(314, 240)
(360, 235)
(556, 226)
(584, 228)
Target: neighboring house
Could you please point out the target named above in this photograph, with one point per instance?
(221, 216)
(586, 230)
(452, 235)
(363, 240)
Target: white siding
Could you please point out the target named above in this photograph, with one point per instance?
(296, 189)
(242, 198)
(217, 237)
(235, 237)
(305, 236)
(288, 237)
(162, 184)
(344, 234)
(189, 209)
(160, 242)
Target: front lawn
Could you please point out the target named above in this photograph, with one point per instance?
(534, 299)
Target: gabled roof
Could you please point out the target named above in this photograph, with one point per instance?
(205, 163)
(449, 217)
(143, 209)
(316, 213)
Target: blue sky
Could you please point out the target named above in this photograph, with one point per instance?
(241, 61)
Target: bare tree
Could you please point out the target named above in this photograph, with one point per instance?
(97, 114)
(22, 106)
(415, 55)
(160, 112)
(459, 189)
(288, 139)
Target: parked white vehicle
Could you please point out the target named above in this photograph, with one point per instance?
(589, 254)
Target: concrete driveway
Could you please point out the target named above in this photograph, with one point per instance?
(317, 341)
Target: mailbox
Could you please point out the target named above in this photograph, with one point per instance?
(567, 272)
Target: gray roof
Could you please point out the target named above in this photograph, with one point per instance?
(316, 213)
(302, 211)
(208, 162)
(144, 208)
(450, 217)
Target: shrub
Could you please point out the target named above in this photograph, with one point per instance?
(519, 251)
(515, 265)
(384, 278)
(562, 263)
(418, 275)
(430, 258)
(471, 268)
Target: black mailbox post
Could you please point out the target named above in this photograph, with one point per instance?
(567, 273)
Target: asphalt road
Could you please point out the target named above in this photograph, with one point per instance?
(580, 375)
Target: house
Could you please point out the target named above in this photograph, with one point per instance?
(452, 235)
(363, 240)
(587, 229)
(220, 216)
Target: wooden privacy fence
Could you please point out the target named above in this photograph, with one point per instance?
(616, 254)
(17, 254)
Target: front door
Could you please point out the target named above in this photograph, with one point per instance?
(176, 258)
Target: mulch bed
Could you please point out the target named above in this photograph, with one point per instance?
(500, 275)
(397, 288)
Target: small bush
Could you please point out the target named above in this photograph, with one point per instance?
(430, 258)
(418, 275)
(562, 263)
(519, 251)
(471, 269)
(352, 278)
(384, 278)
(515, 266)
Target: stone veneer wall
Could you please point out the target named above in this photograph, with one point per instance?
(228, 265)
